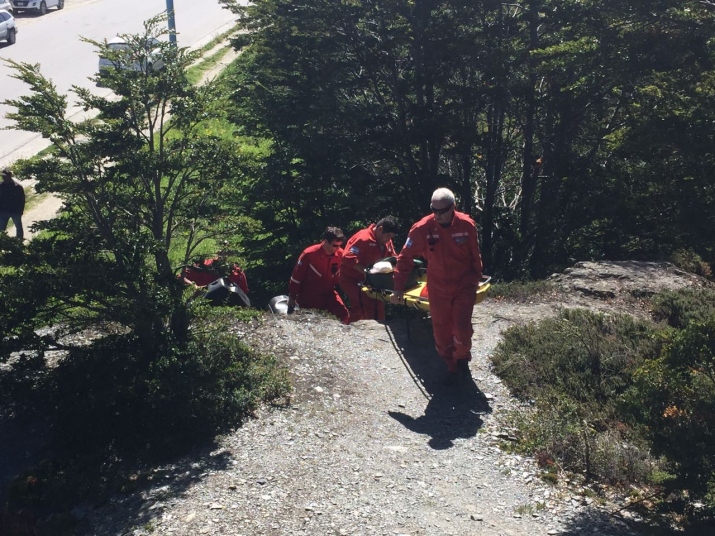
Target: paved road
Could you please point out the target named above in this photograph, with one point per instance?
(53, 42)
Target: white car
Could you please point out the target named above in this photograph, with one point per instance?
(8, 30)
(38, 6)
(6, 5)
(147, 58)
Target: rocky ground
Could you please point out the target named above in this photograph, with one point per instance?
(378, 440)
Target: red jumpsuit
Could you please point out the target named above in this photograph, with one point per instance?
(362, 248)
(205, 273)
(312, 283)
(454, 269)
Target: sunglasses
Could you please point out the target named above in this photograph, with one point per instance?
(441, 211)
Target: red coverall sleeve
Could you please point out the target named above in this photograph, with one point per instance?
(414, 247)
(350, 259)
(296, 278)
(238, 276)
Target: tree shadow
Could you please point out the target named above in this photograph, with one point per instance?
(596, 521)
(46, 488)
(105, 421)
(454, 402)
(22, 444)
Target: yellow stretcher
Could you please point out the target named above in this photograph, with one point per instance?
(417, 296)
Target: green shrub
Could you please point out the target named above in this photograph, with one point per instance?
(520, 291)
(585, 356)
(688, 260)
(680, 307)
(673, 400)
(575, 367)
(110, 408)
(110, 393)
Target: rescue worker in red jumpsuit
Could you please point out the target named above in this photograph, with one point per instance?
(364, 248)
(448, 240)
(203, 272)
(312, 283)
(200, 274)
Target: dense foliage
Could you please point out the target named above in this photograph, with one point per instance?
(575, 368)
(142, 187)
(570, 129)
(622, 400)
(105, 347)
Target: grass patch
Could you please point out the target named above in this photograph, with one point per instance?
(219, 39)
(195, 74)
(33, 199)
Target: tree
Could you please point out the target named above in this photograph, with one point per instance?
(543, 116)
(141, 185)
(369, 106)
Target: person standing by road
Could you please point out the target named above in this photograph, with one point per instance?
(12, 203)
(312, 283)
(364, 248)
(448, 240)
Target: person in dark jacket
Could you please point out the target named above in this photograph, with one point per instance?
(12, 203)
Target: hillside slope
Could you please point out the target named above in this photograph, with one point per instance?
(378, 441)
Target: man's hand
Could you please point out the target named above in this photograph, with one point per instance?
(397, 297)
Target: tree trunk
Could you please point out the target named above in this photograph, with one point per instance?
(530, 168)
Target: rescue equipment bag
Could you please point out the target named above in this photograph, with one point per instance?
(225, 292)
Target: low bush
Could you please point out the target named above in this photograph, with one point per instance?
(585, 356)
(681, 307)
(575, 368)
(520, 291)
(110, 393)
(673, 401)
(688, 260)
(109, 406)
(620, 399)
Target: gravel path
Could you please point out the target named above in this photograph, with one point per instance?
(377, 441)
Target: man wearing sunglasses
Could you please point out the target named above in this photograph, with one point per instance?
(312, 283)
(448, 240)
(364, 249)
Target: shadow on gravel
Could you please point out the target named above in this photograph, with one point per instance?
(454, 402)
(594, 521)
(135, 507)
